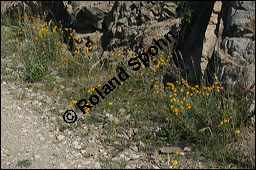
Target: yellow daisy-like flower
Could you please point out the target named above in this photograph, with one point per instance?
(159, 158)
(175, 162)
(237, 131)
(74, 101)
(110, 103)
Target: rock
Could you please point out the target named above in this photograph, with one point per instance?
(170, 149)
(135, 148)
(76, 145)
(37, 156)
(63, 166)
(155, 167)
(20, 66)
(187, 149)
(60, 137)
(83, 152)
(97, 165)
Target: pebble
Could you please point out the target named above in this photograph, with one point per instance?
(187, 149)
(155, 167)
(97, 165)
(83, 152)
(37, 156)
(135, 148)
(63, 166)
(60, 137)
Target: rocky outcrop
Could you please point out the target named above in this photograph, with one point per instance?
(222, 44)
(110, 25)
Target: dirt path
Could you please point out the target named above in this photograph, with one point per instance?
(27, 135)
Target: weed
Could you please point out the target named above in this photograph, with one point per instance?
(24, 163)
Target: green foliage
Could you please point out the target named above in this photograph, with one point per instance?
(187, 15)
(24, 163)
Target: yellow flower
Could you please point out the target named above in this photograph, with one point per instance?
(207, 94)
(215, 77)
(216, 82)
(171, 106)
(225, 120)
(128, 103)
(159, 158)
(175, 162)
(166, 118)
(237, 131)
(177, 152)
(110, 103)
(221, 123)
(74, 101)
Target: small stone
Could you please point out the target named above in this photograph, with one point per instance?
(187, 149)
(97, 165)
(134, 156)
(87, 162)
(60, 137)
(76, 145)
(20, 66)
(155, 167)
(37, 156)
(170, 149)
(83, 152)
(135, 148)
(63, 166)
(78, 155)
